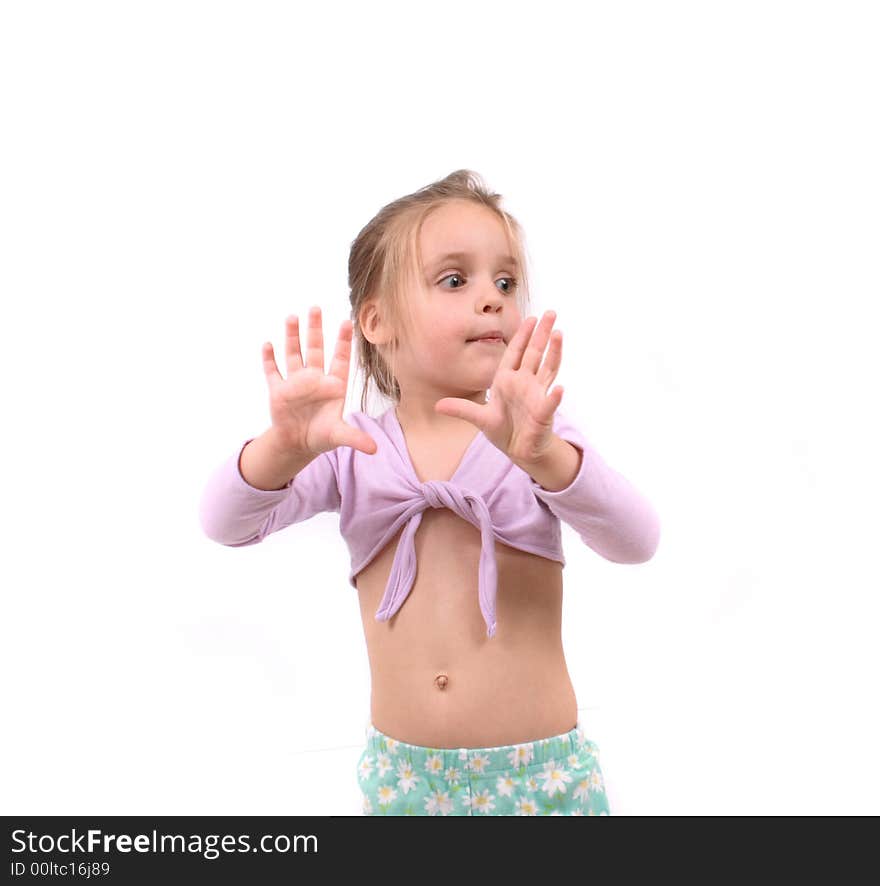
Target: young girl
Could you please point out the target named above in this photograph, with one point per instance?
(450, 503)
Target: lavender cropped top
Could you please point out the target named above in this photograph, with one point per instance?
(377, 495)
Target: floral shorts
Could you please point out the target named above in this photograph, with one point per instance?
(549, 776)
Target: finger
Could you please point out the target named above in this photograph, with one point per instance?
(342, 355)
(550, 366)
(347, 435)
(270, 367)
(549, 405)
(315, 347)
(364, 442)
(292, 349)
(534, 353)
(516, 346)
(458, 407)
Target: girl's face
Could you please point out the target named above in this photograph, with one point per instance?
(468, 288)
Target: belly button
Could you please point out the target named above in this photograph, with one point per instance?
(441, 680)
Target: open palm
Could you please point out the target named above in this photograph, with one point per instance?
(306, 407)
(518, 416)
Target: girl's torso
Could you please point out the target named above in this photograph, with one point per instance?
(437, 679)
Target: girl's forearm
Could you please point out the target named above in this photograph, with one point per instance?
(265, 462)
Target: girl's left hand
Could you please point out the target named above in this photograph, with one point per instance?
(518, 416)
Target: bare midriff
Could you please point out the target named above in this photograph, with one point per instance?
(437, 679)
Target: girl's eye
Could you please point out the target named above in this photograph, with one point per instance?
(512, 281)
(451, 277)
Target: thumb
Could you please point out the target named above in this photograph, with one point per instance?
(458, 407)
(362, 441)
(358, 439)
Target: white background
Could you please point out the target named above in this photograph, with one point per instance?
(699, 187)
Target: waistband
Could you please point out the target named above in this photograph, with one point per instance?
(490, 759)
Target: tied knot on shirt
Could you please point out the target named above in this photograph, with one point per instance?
(470, 507)
(443, 494)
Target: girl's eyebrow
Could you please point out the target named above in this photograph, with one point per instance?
(506, 259)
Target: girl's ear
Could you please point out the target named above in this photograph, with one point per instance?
(367, 321)
(372, 326)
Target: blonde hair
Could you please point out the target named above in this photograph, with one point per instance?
(385, 261)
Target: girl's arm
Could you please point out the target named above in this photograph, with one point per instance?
(235, 513)
(611, 516)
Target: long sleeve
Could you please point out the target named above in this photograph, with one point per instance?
(611, 516)
(234, 513)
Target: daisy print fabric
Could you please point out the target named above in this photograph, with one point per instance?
(551, 776)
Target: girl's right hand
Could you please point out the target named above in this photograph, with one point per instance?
(306, 407)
